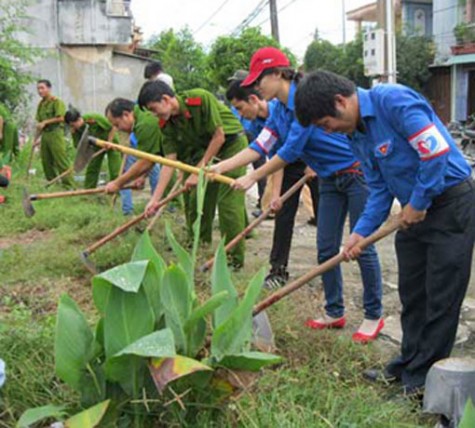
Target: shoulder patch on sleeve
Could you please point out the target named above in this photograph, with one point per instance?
(162, 123)
(429, 143)
(266, 139)
(194, 102)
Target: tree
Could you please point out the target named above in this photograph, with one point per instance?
(229, 53)
(414, 55)
(346, 60)
(183, 58)
(14, 55)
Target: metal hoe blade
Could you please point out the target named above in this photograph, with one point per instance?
(85, 151)
(27, 205)
(90, 266)
(262, 337)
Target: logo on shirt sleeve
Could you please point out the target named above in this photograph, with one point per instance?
(266, 139)
(429, 143)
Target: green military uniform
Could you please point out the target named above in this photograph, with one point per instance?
(188, 135)
(146, 130)
(99, 127)
(53, 146)
(9, 144)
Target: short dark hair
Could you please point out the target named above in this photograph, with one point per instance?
(72, 115)
(118, 106)
(45, 82)
(152, 69)
(315, 96)
(287, 73)
(154, 91)
(241, 93)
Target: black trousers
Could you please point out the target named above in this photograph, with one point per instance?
(285, 218)
(261, 184)
(434, 259)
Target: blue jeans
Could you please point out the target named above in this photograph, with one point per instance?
(126, 195)
(339, 195)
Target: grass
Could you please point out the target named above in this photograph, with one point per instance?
(319, 385)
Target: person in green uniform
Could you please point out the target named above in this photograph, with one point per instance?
(196, 129)
(50, 118)
(126, 116)
(9, 145)
(101, 128)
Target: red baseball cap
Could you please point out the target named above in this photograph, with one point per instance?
(263, 59)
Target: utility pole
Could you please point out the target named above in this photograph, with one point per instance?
(343, 20)
(390, 42)
(274, 21)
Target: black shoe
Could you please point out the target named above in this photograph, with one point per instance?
(383, 376)
(276, 278)
(312, 221)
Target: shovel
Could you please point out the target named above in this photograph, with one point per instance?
(121, 229)
(27, 198)
(263, 337)
(231, 244)
(86, 151)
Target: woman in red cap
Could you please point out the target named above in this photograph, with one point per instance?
(341, 184)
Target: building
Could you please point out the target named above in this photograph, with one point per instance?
(90, 50)
(453, 82)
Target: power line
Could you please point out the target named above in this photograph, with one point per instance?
(253, 15)
(280, 10)
(212, 16)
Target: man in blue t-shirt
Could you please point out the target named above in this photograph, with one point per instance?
(406, 153)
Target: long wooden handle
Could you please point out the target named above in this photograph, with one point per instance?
(231, 244)
(389, 227)
(160, 210)
(162, 160)
(121, 229)
(71, 193)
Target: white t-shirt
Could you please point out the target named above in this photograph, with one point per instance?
(166, 78)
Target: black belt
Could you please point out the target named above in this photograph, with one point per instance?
(454, 192)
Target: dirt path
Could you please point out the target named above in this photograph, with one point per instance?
(311, 299)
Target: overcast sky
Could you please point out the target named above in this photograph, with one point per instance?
(298, 19)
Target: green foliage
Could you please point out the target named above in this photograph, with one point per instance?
(414, 55)
(89, 418)
(229, 53)
(183, 58)
(14, 54)
(464, 32)
(346, 60)
(38, 414)
(468, 418)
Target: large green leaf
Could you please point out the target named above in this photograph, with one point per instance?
(468, 418)
(101, 289)
(144, 250)
(74, 343)
(196, 337)
(250, 361)
(89, 418)
(158, 344)
(128, 276)
(177, 302)
(233, 335)
(184, 258)
(166, 370)
(206, 308)
(221, 281)
(152, 281)
(128, 317)
(32, 416)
